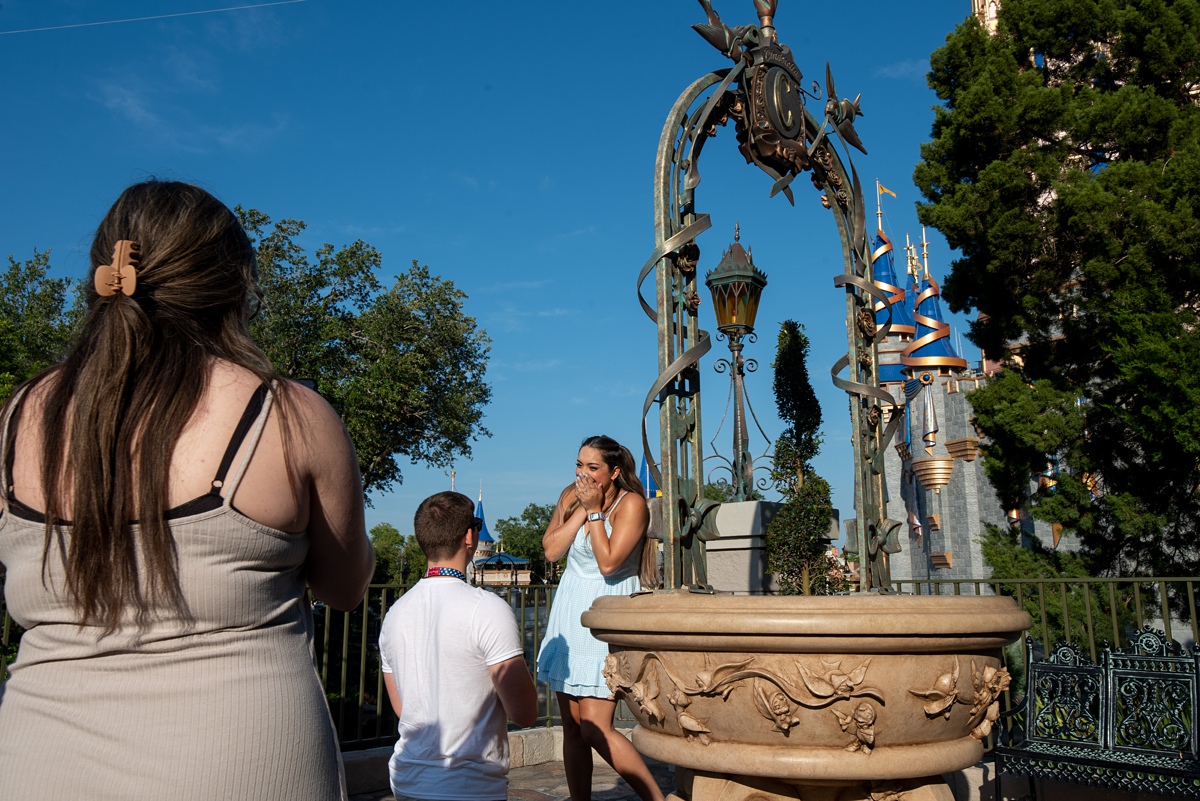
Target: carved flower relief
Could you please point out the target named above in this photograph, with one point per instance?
(866, 322)
(940, 698)
(985, 701)
(860, 723)
(644, 692)
(987, 685)
(692, 300)
(773, 705)
(687, 257)
(613, 675)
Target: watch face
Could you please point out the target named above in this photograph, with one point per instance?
(782, 99)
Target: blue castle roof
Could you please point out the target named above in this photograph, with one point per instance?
(932, 346)
(884, 272)
(484, 535)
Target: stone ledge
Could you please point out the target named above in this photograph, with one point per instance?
(367, 771)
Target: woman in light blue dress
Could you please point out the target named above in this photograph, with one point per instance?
(600, 522)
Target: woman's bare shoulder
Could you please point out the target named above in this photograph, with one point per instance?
(631, 504)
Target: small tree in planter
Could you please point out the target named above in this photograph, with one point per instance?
(798, 536)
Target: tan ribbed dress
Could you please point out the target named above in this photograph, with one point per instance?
(228, 708)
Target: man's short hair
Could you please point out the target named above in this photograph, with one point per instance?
(441, 521)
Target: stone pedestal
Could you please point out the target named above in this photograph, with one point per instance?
(848, 698)
(737, 560)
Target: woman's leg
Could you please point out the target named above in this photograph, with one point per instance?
(596, 725)
(577, 754)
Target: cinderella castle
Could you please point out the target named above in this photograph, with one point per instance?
(936, 485)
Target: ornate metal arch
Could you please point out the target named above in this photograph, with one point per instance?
(763, 94)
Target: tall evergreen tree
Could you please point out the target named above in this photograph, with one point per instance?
(1065, 167)
(796, 540)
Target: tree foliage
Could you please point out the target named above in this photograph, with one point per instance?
(1047, 602)
(38, 315)
(522, 536)
(403, 366)
(797, 535)
(722, 492)
(1065, 168)
(398, 559)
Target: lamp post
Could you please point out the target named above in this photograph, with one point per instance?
(736, 286)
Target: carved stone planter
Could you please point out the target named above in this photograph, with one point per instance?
(847, 698)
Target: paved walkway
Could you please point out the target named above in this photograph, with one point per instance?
(547, 782)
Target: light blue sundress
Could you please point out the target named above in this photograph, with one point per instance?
(572, 660)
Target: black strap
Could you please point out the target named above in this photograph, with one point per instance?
(239, 435)
(10, 448)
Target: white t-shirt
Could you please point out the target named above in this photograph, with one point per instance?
(438, 641)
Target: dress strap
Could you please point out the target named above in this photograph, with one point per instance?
(617, 501)
(252, 423)
(8, 433)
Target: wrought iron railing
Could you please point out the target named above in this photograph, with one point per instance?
(1088, 612)
(1085, 611)
(348, 660)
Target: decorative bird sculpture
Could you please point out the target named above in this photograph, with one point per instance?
(842, 112)
(717, 33)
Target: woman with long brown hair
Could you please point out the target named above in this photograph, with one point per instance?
(600, 522)
(166, 500)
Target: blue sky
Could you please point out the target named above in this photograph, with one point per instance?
(509, 146)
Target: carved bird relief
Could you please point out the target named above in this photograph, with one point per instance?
(837, 683)
(940, 698)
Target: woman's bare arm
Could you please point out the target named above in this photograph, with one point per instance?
(559, 535)
(629, 522)
(341, 560)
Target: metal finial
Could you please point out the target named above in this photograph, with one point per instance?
(766, 16)
(737, 232)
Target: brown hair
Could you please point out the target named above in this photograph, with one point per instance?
(440, 522)
(129, 385)
(616, 455)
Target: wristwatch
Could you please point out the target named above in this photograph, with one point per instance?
(597, 516)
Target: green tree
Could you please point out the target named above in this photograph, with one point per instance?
(722, 492)
(1010, 559)
(398, 559)
(1064, 166)
(38, 315)
(389, 558)
(797, 536)
(412, 561)
(522, 536)
(404, 366)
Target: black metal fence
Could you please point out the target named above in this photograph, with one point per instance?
(347, 652)
(1088, 612)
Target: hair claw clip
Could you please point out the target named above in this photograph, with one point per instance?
(121, 275)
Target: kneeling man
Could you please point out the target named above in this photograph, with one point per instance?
(453, 667)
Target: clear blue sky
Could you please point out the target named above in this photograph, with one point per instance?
(509, 146)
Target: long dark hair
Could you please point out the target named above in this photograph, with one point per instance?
(129, 385)
(616, 455)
